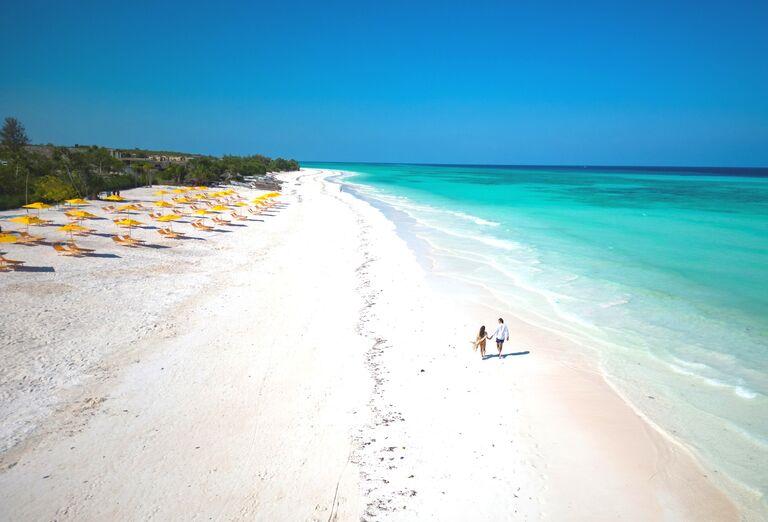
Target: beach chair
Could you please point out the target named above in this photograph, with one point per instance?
(134, 240)
(201, 226)
(9, 264)
(73, 246)
(66, 251)
(239, 217)
(27, 238)
(6, 265)
(220, 221)
(170, 234)
(120, 240)
(12, 262)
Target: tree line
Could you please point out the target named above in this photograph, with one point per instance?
(53, 173)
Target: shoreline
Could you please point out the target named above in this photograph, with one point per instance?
(302, 367)
(448, 284)
(587, 362)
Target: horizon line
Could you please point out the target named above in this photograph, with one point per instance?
(545, 165)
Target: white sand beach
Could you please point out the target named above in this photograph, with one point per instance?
(301, 366)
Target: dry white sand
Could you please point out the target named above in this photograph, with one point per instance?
(302, 368)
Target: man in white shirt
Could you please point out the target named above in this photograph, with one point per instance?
(501, 334)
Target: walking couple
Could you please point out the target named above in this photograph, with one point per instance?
(501, 334)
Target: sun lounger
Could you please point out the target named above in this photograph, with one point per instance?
(170, 234)
(200, 226)
(220, 221)
(10, 262)
(27, 238)
(120, 240)
(237, 216)
(74, 247)
(65, 251)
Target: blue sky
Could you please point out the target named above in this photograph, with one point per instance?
(655, 83)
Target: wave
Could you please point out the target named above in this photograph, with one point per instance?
(403, 204)
(617, 302)
(474, 219)
(738, 390)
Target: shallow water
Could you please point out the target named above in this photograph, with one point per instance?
(664, 272)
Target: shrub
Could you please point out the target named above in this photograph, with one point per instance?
(53, 189)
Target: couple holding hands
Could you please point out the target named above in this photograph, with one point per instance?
(501, 334)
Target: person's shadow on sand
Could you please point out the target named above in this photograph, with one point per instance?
(505, 355)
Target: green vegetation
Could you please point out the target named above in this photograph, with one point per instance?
(50, 173)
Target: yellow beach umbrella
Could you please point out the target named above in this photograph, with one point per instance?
(37, 205)
(169, 217)
(163, 204)
(27, 220)
(202, 212)
(115, 197)
(161, 192)
(199, 188)
(8, 238)
(182, 200)
(126, 208)
(80, 214)
(72, 228)
(127, 222)
(178, 191)
(76, 201)
(241, 204)
(219, 208)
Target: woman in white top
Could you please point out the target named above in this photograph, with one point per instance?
(501, 334)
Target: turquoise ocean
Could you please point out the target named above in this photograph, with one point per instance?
(662, 273)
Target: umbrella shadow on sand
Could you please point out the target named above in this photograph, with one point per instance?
(96, 254)
(34, 269)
